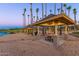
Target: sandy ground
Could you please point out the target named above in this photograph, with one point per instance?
(21, 44)
(26, 45)
(70, 46)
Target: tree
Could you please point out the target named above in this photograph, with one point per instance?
(55, 8)
(24, 10)
(58, 10)
(31, 15)
(50, 11)
(61, 8)
(40, 18)
(37, 10)
(65, 8)
(28, 18)
(45, 9)
(75, 12)
(42, 10)
(24, 18)
(69, 8)
(34, 18)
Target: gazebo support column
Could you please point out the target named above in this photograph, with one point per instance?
(38, 30)
(27, 31)
(56, 31)
(49, 29)
(66, 32)
(33, 31)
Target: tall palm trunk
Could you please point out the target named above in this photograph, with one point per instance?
(31, 13)
(61, 8)
(24, 20)
(55, 8)
(68, 12)
(65, 9)
(42, 10)
(58, 10)
(50, 11)
(75, 18)
(69, 8)
(45, 9)
(37, 10)
(42, 17)
(74, 11)
(34, 18)
(28, 19)
(37, 16)
(75, 23)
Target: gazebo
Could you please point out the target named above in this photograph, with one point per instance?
(54, 20)
(28, 29)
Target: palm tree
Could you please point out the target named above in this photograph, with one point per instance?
(34, 18)
(24, 10)
(40, 18)
(69, 8)
(55, 8)
(24, 18)
(58, 10)
(75, 12)
(45, 9)
(78, 22)
(37, 10)
(42, 10)
(28, 18)
(61, 8)
(31, 13)
(50, 11)
(65, 7)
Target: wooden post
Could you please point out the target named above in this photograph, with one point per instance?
(56, 31)
(38, 30)
(49, 29)
(66, 32)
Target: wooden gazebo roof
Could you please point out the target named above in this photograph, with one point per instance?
(28, 27)
(64, 19)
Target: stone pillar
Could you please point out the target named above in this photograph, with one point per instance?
(56, 31)
(66, 32)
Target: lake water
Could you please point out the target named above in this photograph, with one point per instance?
(3, 34)
(8, 27)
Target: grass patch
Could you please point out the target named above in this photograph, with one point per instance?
(75, 34)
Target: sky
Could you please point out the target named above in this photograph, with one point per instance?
(11, 13)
